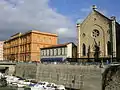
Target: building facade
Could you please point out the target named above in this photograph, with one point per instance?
(26, 47)
(1, 50)
(58, 53)
(98, 36)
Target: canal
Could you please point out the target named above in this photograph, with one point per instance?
(8, 88)
(13, 88)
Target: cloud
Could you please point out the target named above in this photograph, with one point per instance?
(80, 20)
(118, 19)
(23, 15)
(65, 32)
(85, 9)
(104, 12)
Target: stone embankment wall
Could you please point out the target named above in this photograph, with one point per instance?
(26, 70)
(9, 69)
(72, 76)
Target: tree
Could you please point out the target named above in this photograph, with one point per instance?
(96, 51)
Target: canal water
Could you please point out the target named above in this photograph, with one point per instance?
(13, 88)
(8, 88)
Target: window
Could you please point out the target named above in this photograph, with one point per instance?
(41, 51)
(50, 41)
(45, 53)
(22, 48)
(83, 35)
(95, 33)
(44, 40)
(108, 31)
(59, 51)
(109, 48)
(88, 54)
(84, 50)
(48, 52)
(55, 51)
(63, 51)
(51, 52)
(29, 47)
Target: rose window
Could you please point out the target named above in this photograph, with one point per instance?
(95, 33)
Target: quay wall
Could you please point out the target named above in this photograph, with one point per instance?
(72, 76)
(26, 70)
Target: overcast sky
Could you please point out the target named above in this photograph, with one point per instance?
(54, 16)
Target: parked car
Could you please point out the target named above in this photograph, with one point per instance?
(60, 87)
(114, 63)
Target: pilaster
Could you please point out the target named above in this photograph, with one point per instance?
(79, 44)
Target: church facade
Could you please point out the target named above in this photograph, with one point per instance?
(98, 36)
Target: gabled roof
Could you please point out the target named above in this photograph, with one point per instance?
(105, 17)
(100, 15)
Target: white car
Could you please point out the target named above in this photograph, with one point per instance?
(41, 84)
(11, 79)
(35, 88)
(51, 86)
(20, 85)
(114, 63)
(60, 87)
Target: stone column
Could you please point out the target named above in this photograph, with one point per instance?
(78, 32)
(113, 36)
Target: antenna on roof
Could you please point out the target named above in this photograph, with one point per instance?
(94, 7)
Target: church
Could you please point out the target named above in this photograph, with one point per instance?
(98, 36)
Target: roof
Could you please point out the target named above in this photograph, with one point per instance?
(105, 17)
(31, 31)
(102, 16)
(16, 34)
(56, 46)
(37, 31)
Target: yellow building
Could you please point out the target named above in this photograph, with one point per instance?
(1, 50)
(26, 47)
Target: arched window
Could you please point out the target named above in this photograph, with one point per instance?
(88, 54)
(109, 48)
(84, 50)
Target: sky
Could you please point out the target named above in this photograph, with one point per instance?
(53, 16)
